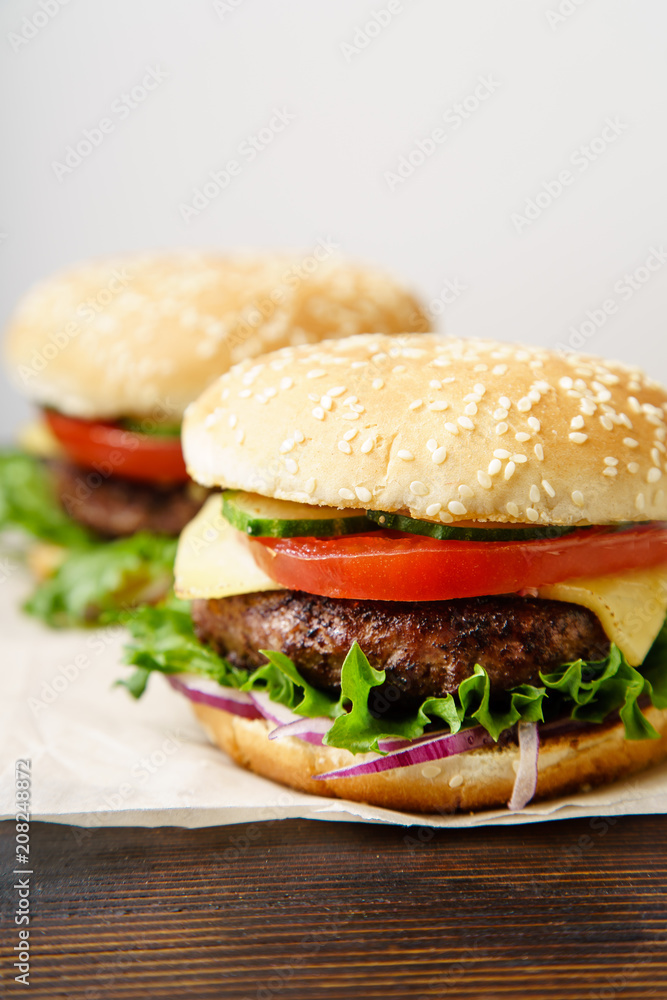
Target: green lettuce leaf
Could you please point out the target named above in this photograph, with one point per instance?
(96, 577)
(105, 580)
(27, 501)
(165, 641)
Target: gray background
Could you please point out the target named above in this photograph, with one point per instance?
(361, 99)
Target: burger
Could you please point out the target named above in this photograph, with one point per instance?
(436, 578)
(111, 352)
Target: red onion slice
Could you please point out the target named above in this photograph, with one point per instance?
(208, 692)
(273, 710)
(431, 748)
(310, 730)
(525, 782)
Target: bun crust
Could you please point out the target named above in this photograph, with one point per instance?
(144, 335)
(478, 779)
(446, 429)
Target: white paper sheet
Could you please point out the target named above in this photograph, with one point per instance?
(100, 758)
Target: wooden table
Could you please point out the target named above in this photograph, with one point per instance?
(303, 910)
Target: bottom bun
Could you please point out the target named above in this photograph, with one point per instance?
(477, 779)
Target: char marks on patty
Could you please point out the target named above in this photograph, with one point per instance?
(427, 648)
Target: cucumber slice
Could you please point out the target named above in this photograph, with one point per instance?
(257, 515)
(461, 533)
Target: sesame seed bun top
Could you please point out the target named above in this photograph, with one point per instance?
(446, 429)
(144, 335)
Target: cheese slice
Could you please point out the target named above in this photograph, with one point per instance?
(213, 559)
(36, 438)
(631, 606)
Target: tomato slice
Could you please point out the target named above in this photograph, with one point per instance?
(394, 566)
(112, 450)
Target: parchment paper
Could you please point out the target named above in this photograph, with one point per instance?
(100, 758)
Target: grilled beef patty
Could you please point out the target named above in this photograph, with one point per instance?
(116, 507)
(427, 648)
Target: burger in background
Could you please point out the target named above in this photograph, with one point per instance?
(112, 351)
(436, 579)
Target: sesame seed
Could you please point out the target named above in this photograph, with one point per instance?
(439, 455)
(588, 407)
(378, 383)
(337, 390)
(433, 509)
(439, 405)
(318, 413)
(367, 446)
(512, 509)
(326, 402)
(363, 494)
(466, 422)
(233, 420)
(350, 415)
(452, 428)
(456, 507)
(501, 453)
(350, 400)
(240, 436)
(524, 404)
(398, 369)
(346, 494)
(431, 444)
(480, 389)
(502, 428)
(548, 488)
(534, 396)
(260, 398)
(495, 465)
(534, 493)
(445, 516)
(633, 403)
(500, 413)
(534, 423)
(316, 373)
(577, 437)
(287, 445)
(532, 514)
(406, 455)
(655, 456)
(653, 475)
(244, 393)
(521, 437)
(415, 404)
(630, 443)
(609, 470)
(539, 451)
(313, 397)
(291, 466)
(471, 410)
(270, 392)
(607, 423)
(310, 485)
(610, 461)
(632, 467)
(577, 498)
(519, 459)
(484, 479)
(286, 383)
(504, 401)
(577, 423)
(344, 447)
(499, 369)
(349, 435)
(565, 382)
(435, 384)
(640, 503)
(509, 470)
(472, 397)
(465, 492)
(418, 488)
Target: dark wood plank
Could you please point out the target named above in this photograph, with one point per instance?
(299, 910)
